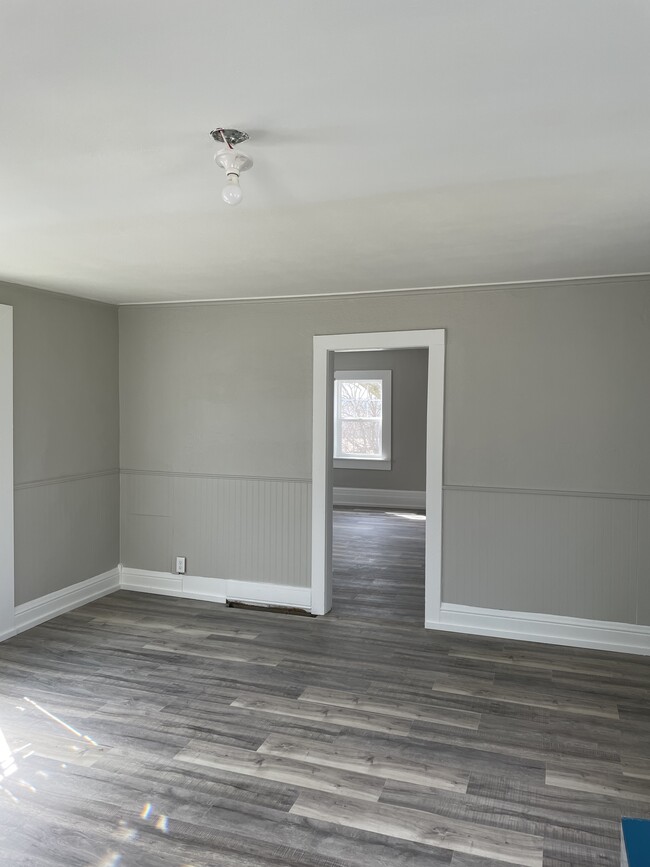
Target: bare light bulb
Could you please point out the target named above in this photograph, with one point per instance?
(231, 193)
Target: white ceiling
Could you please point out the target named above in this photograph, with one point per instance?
(396, 144)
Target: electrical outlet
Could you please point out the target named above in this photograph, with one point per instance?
(180, 565)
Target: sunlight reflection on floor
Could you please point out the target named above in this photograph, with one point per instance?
(411, 516)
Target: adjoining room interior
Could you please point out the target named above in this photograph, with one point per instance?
(379, 478)
(240, 624)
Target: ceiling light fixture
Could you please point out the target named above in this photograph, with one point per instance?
(231, 161)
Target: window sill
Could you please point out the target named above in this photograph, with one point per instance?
(361, 464)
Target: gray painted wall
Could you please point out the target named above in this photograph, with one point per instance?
(66, 439)
(409, 419)
(546, 396)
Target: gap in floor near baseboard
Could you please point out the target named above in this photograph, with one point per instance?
(275, 609)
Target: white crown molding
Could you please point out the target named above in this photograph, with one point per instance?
(630, 277)
(544, 628)
(46, 607)
(442, 289)
(218, 590)
(379, 498)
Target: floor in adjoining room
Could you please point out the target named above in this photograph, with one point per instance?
(378, 565)
(147, 731)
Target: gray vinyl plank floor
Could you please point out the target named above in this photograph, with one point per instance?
(378, 565)
(146, 731)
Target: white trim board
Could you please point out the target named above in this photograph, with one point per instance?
(517, 625)
(544, 628)
(6, 471)
(46, 607)
(379, 498)
(214, 589)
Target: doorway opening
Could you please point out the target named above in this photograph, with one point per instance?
(378, 537)
(355, 435)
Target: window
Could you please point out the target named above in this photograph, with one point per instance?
(362, 412)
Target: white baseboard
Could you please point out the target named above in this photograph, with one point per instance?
(544, 628)
(206, 589)
(379, 498)
(45, 607)
(162, 583)
(518, 625)
(215, 589)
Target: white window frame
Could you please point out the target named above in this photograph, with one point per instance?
(370, 462)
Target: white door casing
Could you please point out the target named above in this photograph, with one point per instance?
(324, 348)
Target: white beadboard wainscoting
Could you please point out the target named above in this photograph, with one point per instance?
(564, 553)
(67, 529)
(562, 567)
(228, 527)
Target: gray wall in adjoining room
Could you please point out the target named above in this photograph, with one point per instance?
(409, 419)
(546, 464)
(66, 439)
